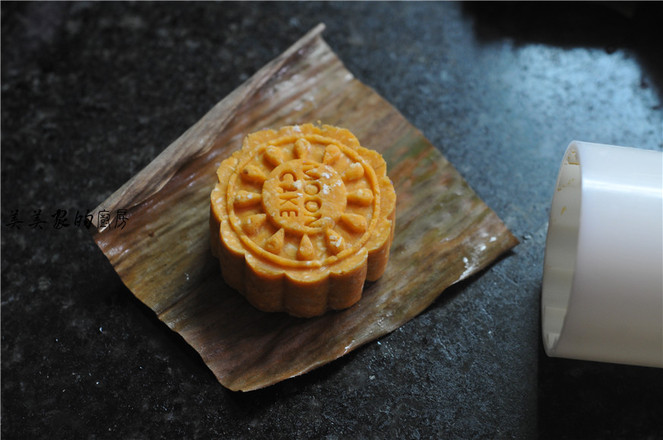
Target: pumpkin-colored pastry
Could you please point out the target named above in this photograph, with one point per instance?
(301, 217)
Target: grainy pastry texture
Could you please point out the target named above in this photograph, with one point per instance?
(301, 218)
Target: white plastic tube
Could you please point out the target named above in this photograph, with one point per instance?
(602, 293)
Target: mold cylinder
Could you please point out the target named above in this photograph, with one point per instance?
(602, 291)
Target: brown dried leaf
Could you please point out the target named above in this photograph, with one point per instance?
(444, 232)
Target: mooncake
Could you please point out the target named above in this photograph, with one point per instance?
(301, 217)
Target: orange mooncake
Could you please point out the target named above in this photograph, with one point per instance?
(301, 218)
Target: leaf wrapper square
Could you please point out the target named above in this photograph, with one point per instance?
(444, 232)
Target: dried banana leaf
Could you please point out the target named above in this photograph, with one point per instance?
(444, 232)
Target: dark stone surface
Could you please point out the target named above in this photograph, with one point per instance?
(92, 92)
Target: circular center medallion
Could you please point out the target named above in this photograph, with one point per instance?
(304, 197)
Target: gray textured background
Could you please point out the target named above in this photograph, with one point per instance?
(91, 93)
